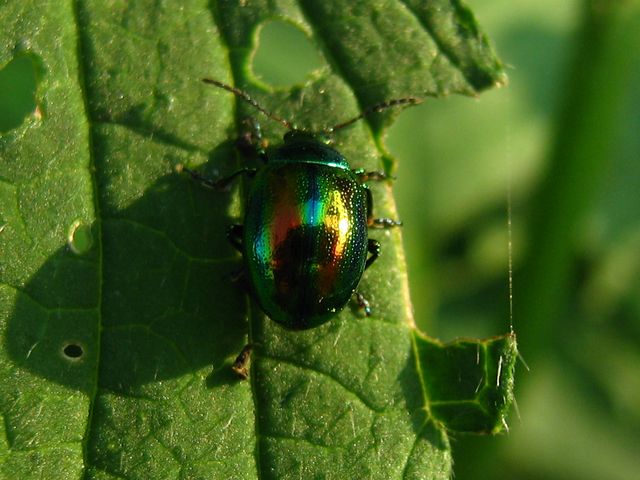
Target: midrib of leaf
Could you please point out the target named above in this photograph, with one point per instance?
(82, 66)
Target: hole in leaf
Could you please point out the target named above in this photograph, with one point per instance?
(276, 61)
(72, 351)
(80, 238)
(17, 91)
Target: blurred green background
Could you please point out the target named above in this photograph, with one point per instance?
(563, 142)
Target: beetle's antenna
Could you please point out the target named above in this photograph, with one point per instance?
(379, 107)
(245, 96)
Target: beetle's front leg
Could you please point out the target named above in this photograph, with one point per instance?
(377, 176)
(218, 185)
(378, 222)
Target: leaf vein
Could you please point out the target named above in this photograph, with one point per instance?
(174, 245)
(367, 403)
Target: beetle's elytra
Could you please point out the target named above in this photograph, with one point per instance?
(304, 240)
(305, 233)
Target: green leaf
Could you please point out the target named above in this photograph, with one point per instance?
(469, 383)
(118, 319)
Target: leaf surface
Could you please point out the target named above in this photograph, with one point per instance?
(118, 319)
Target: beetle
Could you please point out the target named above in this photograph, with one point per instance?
(304, 240)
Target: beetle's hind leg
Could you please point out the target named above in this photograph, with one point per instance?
(378, 222)
(373, 247)
(241, 363)
(234, 235)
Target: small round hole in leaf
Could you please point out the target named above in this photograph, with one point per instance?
(80, 238)
(73, 351)
(276, 62)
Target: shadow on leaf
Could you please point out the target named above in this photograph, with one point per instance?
(154, 304)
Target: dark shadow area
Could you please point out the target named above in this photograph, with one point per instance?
(150, 299)
(223, 375)
(408, 378)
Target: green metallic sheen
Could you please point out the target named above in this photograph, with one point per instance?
(305, 233)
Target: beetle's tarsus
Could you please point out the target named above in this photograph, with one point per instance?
(241, 363)
(383, 223)
(375, 176)
(363, 303)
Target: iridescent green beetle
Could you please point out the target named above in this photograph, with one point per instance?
(304, 239)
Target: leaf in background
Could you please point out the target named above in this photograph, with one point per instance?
(115, 294)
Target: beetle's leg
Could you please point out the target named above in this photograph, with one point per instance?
(373, 247)
(363, 303)
(378, 222)
(234, 235)
(365, 176)
(250, 142)
(384, 223)
(238, 276)
(219, 185)
(242, 362)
